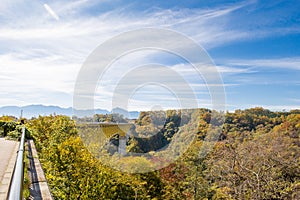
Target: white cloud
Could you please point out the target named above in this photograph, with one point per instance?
(51, 11)
(294, 100)
(283, 107)
(292, 63)
(278, 107)
(38, 74)
(42, 54)
(187, 68)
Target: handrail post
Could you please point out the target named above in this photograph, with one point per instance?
(16, 185)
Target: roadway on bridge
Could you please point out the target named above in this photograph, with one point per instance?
(8, 153)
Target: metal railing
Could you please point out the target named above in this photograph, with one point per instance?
(16, 185)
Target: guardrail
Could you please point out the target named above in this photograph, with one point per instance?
(16, 185)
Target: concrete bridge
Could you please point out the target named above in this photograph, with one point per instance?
(109, 130)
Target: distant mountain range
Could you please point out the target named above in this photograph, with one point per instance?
(36, 110)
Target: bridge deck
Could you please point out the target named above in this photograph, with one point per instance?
(109, 129)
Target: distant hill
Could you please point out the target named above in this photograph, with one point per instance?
(125, 113)
(36, 110)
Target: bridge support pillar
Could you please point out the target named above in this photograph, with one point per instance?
(122, 145)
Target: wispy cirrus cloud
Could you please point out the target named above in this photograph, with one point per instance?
(48, 53)
(51, 11)
(41, 53)
(294, 100)
(292, 63)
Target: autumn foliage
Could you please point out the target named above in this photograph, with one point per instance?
(256, 155)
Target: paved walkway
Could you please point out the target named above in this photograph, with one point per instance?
(8, 153)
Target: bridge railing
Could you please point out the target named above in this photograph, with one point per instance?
(16, 185)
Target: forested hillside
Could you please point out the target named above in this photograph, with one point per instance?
(256, 156)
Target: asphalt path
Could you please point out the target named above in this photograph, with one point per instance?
(7, 148)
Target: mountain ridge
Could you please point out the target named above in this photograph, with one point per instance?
(35, 110)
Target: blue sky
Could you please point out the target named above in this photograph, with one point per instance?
(254, 44)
